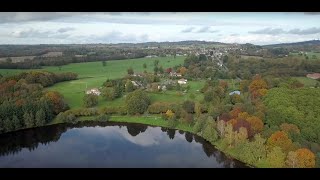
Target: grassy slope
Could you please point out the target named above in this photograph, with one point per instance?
(307, 81)
(93, 74)
(310, 54)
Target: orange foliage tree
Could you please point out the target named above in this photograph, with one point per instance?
(280, 139)
(256, 124)
(306, 158)
(289, 128)
(258, 87)
(235, 112)
(183, 70)
(59, 105)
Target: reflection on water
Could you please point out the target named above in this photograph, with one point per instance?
(92, 144)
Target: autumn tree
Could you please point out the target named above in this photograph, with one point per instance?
(183, 71)
(276, 158)
(306, 158)
(235, 112)
(280, 139)
(258, 87)
(256, 124)
(59, 104)
(221, 128)
(286, 127)
(292, 159)
(169, 114)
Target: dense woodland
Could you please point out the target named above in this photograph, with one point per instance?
(24, 103)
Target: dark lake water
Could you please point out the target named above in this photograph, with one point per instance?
(93, 144)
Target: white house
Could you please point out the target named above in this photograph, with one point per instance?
(94, 91)
(182, 81)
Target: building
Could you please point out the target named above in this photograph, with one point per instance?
(94, 91)
(234, 92)
(314, 76)
(182, 81)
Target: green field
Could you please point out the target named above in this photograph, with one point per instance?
(93, 74)
(307, 81)
(309, 54)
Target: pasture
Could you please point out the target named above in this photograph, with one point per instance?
(93, 74)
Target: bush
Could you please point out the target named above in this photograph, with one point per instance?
(67, 117)
(161, 107)
(188, 106)
(137, 102)
(102, 117)
(90, 100)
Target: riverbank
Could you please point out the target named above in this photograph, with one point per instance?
(158, 121)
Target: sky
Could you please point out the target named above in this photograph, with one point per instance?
(135, 27)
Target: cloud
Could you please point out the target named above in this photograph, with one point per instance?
(115, 37)
(277, 31)
(33, 33)
(313, 30)
(187, 30)
(66, 29)
(268, 31)
(312, 13)
(206, 29)
(234, 34)
(14, 17)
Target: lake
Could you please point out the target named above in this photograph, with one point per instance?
(97, 144)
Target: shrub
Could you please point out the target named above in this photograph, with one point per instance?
(102, 117)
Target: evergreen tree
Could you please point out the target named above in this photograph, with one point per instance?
(28, 119)
(16, 122)
(40, 118)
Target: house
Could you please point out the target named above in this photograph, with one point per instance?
(94, 91)
(234, 92)
(174, 74)
(314, 76)
(182, 81)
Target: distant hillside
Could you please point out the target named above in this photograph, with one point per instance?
(304, 43)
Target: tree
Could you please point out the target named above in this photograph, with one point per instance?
(90, 100)
(169, 114)
(197, 109)
(144, 65)
(161, 70)
(137, 102)
(183, 71)
(229, 134)
(40, 118)
(130, 71)
(155, 69)
(59, 104)
(306, 158)
(104, 63)
(208, 95)
(168, 70)
(221, 128)
(276, 158)
(109, 93)
(288, 128)
(292, 159)
(28, 119)
(8, 125)
(16, 122)
(129, 86)
(156, 63)
(188, 106)
(256, 124)
(280, 139)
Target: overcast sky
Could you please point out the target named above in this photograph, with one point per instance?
(65, 28)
